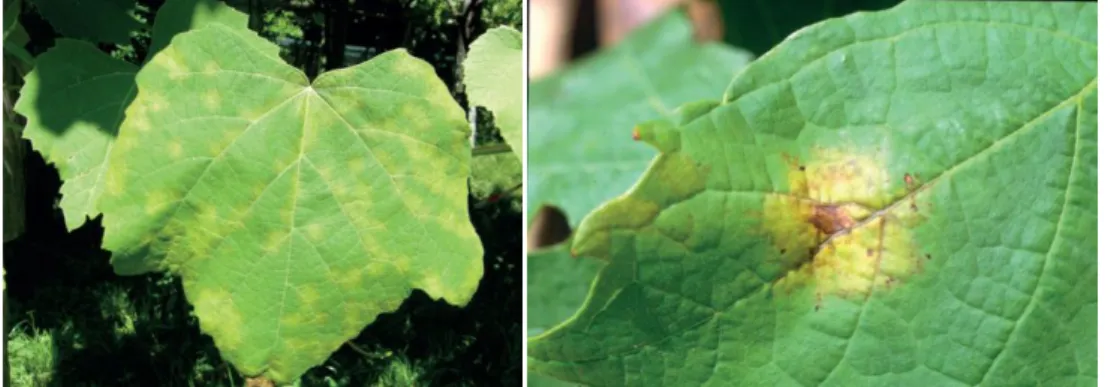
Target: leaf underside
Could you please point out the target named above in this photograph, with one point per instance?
(903, 198)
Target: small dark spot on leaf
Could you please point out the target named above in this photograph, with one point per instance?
(783, 251)
(929, 256)
(802, 168)
(869, 252)
(914, 206)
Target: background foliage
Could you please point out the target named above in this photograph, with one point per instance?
(72, 321)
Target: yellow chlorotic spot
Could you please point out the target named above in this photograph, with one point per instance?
(212, 99)
(315, 232)
(354, 318)
(356, 165)
(219, 317)
(114, 182)
(211, 67)
(124, 143)
(836, 177)
(207, 212)
(325, 172)
(175, 150)
(258, 189)
(401, 264)
(340, 190)
(156, 200)
(387, 160)
(169, 60)
(351, 279)
(433, 286)
(857, 234)
(215, 149)
(139, 121)
(156, 102)
(274, 242)
(309, 296)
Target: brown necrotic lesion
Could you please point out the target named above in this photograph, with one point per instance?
(856, 230)
(830, 219)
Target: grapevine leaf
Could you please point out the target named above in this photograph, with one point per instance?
(295, 212)
(758, 25)
(107, 21)
(557, 286)
(15, 37)
(178, 16)
(496, 175)
(75, 98)
(74, 102)
(901, 198)
(14, 183)
(493, 73)
(581, 119)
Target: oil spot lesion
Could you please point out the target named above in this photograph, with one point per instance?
(856, 224)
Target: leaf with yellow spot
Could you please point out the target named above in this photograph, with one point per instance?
(75, 99)
(872, 203)
(275, 227)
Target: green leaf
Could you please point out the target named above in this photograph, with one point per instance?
(295, 212)
(492, 73)
(901, 198)
(581, 119)
(74, 101)
(11, 23)
(178, 16)
(557, 286)
(107, 21)
(15, 37)
(496, 174)
(14, 183)
(758, 25)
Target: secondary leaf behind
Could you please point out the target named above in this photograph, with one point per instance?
(581, 119)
